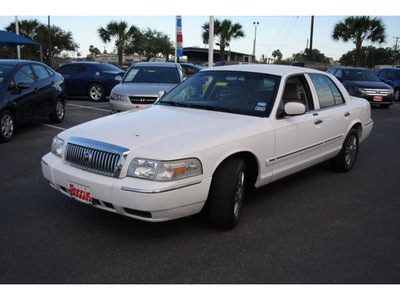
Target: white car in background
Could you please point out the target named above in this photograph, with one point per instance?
(202, 145)
(142, 83)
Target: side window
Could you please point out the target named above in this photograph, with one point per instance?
(328, 93)
(41, 72)
(339, 73)
(297, 90)
(390, 75)
(77, 69)
(24, 75)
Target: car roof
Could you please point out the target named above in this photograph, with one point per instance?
(156, 64)
(262, 68)
(17, 61)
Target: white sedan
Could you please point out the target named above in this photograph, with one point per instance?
(205, 143)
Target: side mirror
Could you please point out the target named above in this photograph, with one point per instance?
(339, 78)
(294, 108)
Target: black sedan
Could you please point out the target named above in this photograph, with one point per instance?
(90, 79)
(28, 89)
(363, 83)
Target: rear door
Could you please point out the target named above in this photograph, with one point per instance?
(44, 90)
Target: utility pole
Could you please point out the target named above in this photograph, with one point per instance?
(311, 38)
(255, 37)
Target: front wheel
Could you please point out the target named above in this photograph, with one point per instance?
(346, 158)
(7, 126)
(225, 200)
(96, 92)
(397, 94)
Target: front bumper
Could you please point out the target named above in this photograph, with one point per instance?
(136, 198)
(119, 106)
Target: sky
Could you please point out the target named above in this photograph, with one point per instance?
(283, 27)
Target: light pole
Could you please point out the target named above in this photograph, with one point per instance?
(255, 37)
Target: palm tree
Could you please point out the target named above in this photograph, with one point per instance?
(28, 29)
(359, 29)
(121, 33)
(224, 31)
(277, 53)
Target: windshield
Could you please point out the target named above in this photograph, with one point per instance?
(228, 91)
(149, 74)
(5, 70)
(359, 75)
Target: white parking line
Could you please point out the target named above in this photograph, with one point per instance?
(51, 126)
(88, 107)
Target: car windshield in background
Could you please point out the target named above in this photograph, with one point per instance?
(359, 75)
(4, 72)
(108, 67)
(228, 91)
(149, 74)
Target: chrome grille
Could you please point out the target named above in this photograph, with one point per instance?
(142, 100)
(94, 156)
(377, 92)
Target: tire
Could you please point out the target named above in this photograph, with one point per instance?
(58, 113)
(6, 126)
(346, 158)
(96, 92)
(225, 200)
(397, 94)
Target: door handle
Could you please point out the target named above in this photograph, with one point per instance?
(317, 122)
(347, 114)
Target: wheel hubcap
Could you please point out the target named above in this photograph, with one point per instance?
(351, 150)
(7, 126)
(95, 93)
(239, 195)
(60, 110)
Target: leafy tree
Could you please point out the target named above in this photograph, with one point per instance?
(59, 41)
(151, 44)
(224, 32)
(316, 55)
(359, 29)
(94, 50)
(370, 56)
(122, 34)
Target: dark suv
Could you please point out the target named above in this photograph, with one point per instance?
(365, 84)
(391, 76)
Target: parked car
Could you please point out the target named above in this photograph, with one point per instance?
(219, 133)
(141, 84)
(391, 76)
(313, 65)
(28, 90)
(90, 79)
(363, 83)
(190, 69)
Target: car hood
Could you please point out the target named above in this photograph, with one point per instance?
(168, 132)
(142, 89)
(369, 84)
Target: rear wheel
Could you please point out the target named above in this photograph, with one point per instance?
(58, 113)
(346, 158)
(7, 126)
(225, 200)
(397, 94)
(96, 92)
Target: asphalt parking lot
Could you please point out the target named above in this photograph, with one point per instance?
(317, 226)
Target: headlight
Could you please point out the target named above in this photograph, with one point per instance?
(164, 170)
(360, 91)
(118, 97)
(57, 146)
